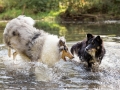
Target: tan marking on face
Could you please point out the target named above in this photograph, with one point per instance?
(66, 54)
(92, 52)
(98, 47)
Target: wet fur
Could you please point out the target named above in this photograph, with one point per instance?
(31, 43)
(90, 50)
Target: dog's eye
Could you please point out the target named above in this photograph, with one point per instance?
(89, 42)
(14, 33)
(93, 43)
(65, 48)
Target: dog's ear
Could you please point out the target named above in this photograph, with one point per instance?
(98, 38)
(89, 36)
(61, 42)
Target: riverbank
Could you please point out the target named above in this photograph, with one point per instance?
(59, 16)
(89, 17)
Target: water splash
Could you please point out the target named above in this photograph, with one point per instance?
(66, 75)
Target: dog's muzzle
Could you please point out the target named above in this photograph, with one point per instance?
(87, 49)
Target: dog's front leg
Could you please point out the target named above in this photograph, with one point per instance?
(14, 54)
(9, 51)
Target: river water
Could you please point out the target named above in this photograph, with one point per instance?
(18, 75)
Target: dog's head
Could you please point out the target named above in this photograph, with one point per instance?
(16, 27)
(18, 30)
(64, 50)
(93, 44)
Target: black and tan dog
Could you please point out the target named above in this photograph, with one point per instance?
(90, 50)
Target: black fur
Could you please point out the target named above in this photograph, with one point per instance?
(90, 50)
(36, 36)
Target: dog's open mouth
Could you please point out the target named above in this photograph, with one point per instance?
(67, 58)
(66, 55)
(64, 50)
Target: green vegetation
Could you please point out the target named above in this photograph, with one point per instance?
(65, 9)
(58, 29)
(50, 11)
(37, 9)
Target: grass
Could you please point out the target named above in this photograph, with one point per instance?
(45, 16)
(10, 14)
(49, 22)
(2, 25)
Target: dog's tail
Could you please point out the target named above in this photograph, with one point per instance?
(27, 20)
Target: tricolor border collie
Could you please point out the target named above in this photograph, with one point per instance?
(90, 50)
(34, 44)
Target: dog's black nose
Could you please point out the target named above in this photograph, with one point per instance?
(86, 49)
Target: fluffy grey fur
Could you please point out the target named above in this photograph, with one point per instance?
(20, 35)
(32, 43)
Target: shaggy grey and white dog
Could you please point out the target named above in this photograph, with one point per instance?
(36, 45)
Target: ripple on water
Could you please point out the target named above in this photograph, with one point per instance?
(64, 75)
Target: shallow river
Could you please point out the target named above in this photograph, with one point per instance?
(17, 74)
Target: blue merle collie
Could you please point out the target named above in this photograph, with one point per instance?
(33, 44)
(90, 50)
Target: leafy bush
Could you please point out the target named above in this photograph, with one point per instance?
(11, 8)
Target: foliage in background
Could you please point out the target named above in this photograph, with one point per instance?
(42, 8)
(93, 6)
(59, 30)
(35, 5)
